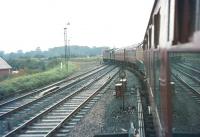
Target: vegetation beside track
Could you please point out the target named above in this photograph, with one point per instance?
(33, 81)
(87, 59)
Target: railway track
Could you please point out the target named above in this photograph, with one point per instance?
(23, 112)
(189, 69)
(185, 102)
(188, 80)
(192, 65)
(36, 91)
(58, 118)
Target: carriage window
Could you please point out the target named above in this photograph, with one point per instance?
(168, 24)
(143, 47)
(197, 13)
(186, 20)
(156, 29)
(150, 38)
(145, 44)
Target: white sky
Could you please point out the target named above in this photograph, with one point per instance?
(27, 24)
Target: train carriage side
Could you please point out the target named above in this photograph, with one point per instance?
(119, 55)
(139, 59)
(130, 55)
(112, 55)
(170, 54)
(171, 58)
(156, 71)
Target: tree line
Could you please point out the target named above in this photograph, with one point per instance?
(73, 51)
(38, 60)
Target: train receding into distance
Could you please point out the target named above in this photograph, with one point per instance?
(168, 54)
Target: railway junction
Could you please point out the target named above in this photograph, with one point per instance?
(87, 104)
(106, 100)
(149, 89)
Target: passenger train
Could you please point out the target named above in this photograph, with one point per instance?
(168, 54)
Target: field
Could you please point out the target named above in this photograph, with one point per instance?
(30, 78)
(32, 81)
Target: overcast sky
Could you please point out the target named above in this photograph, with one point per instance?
(27, 24)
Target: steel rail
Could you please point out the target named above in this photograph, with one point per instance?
(49, 94)
(189, 67)
(186, 84)
(54, 130)
(46, 87)
(186, 74)
(17, 130)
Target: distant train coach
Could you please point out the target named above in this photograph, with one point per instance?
(108, 55)
(129, 55)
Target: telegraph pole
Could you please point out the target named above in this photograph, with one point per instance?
(65, 42)
(66, 51)
(69, 49)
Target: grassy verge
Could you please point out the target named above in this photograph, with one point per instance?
(35, 80)
(88, 59)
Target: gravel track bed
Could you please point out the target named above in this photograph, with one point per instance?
(107, 115)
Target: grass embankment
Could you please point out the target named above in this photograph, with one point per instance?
(33, 81)
(88, 59)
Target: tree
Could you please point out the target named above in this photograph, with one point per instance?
(1, 53)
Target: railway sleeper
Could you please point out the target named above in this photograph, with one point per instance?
(63, 130)
(41, 127)
(55, 117)
(36, 131)
(44, 124)
(61, 135)
(50, 120)
(31, 135)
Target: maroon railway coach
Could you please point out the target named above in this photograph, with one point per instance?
(171, 56)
